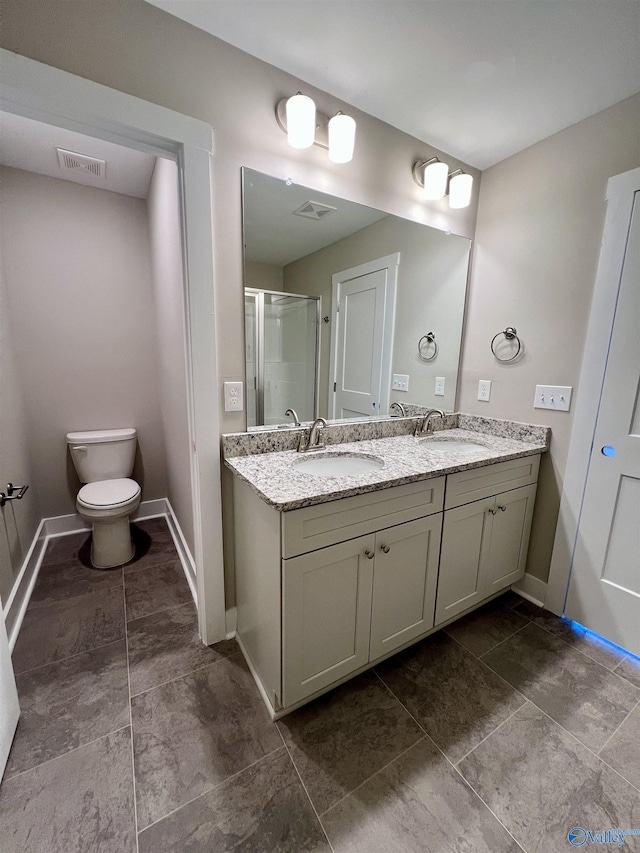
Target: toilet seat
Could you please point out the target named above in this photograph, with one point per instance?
(108, 493)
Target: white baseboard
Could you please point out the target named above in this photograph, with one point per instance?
(65, 525)
(531, 588)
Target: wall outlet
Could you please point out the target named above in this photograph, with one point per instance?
(233, 397)
(439, 389)
(484, 390)
(553, 397)
(400, 382)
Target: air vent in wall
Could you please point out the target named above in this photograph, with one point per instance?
(70, 160)
(314, 210)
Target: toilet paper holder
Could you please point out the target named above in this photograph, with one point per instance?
(13, 493)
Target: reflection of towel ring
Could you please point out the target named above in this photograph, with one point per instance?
(430, 338)
(510, 334)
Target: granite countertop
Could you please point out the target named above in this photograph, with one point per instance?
(273, 476)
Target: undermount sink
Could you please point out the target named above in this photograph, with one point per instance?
(338, 464)
(448, 445)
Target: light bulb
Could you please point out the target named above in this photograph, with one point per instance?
(301, 121)
(435, 180)
(342, 135)
(460, 190)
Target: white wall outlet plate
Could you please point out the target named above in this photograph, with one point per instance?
(400, 382)
(553, 397)
(439, 389)
(233, 396)
(484, 390)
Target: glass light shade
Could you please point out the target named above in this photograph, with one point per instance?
(342, 137)
(435, 180)
(301, 121)
(460, 191)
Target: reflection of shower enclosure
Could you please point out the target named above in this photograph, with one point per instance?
(282, 339)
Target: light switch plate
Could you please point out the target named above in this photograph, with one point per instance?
(553, 397)
(233, 397)
(439, 390)
(484, 390)
(400, 382)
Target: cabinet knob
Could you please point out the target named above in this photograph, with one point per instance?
(502, 508)
(369, 554)
(492, 510)
(385, 548)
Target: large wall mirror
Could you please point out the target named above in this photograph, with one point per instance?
(347, 309)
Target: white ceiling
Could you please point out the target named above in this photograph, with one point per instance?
(478, 79)
(31, 146)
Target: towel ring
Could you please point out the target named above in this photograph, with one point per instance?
(430, 338)
(510, 334)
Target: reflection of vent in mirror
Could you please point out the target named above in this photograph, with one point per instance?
(314, 210)
(81, 163)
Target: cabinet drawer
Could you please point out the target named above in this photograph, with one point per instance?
(318, 526)
(477, 483)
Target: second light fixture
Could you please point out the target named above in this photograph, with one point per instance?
(305, 126)
(436, 180)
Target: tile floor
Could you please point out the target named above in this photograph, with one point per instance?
(500, 733)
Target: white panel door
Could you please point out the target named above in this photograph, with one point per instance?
(604, 589)
(9, 707)
(362, 339)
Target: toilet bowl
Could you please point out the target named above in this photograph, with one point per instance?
(103, 460)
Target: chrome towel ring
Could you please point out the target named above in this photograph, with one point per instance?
(430, 338)
(510, 334)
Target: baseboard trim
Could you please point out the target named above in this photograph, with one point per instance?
(531, 588)
(65, 525)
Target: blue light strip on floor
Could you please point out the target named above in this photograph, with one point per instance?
(580, 629)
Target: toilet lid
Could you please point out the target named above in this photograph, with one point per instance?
(108, 492)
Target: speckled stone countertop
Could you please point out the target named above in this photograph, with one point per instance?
(275, 478)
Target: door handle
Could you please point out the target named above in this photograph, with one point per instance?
(385, 548)
(492, 510)
(502, 508)
(369, 554)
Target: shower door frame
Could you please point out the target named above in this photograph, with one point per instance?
(260, 347)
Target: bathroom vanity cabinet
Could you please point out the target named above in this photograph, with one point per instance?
(326, 590)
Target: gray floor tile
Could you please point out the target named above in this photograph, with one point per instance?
(81, 802)
(629, 668)
(192, 733)
(69, 703)
(166, 645)
(483, 629)
(540, 782)
(71, 578)
(623, 750)
(157, 588)
(584, 697)
(455, 697)
(263, 808)
(604, 653)
(153, 543)
(418, 804)
(67, 627)
(74, 546)
(343, 737)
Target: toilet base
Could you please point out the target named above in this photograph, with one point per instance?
(111, 543)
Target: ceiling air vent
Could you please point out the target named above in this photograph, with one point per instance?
(70, 160)
(314, 210)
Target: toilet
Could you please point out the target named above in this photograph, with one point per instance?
(104, 461)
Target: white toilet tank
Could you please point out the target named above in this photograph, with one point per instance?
(103, 454)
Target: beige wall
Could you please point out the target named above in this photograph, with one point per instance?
(168, 297)
(538, 240)
(78, 286)
(19, 520)
(432, 280)
(262, 276)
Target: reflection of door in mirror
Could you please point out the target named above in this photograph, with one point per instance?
(281, 333)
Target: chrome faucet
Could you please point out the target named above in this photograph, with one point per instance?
(292, 413)
(401, 409)
(426, 425)
(314, 442)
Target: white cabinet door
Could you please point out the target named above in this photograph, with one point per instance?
(327, 615)
(511, 526)
(9, 707)
(404, 583)
(465, 533)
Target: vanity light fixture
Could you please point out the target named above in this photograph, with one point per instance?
(305, 126)
(436, 180)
